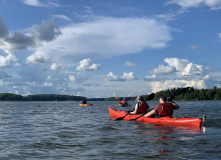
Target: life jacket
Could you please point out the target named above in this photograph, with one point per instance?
(167, 109)
(124, 102)
(142, 108)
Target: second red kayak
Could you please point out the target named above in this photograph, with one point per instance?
(196, 122)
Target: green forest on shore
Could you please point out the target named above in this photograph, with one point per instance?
(190, 94)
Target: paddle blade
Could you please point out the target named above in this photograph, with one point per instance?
(150, 96)
(182, 90)
(116, 98)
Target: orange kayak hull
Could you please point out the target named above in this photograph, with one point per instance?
(80, 104)
(195, 122)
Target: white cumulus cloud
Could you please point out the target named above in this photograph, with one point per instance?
(86, 65)
(32, 2)
(72, 77)
(163, 70)
(126, 36)
(56, 66)
(36, 59)
(126, 76)
(183, 66)
(192, 69)
(47, 84)
(214, 4)
(187, 74)
(7, 59)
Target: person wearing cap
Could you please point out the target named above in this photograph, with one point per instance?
(141, 106)
(163, 109)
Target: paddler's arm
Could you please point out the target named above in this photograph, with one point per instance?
(152, 112)
(134, 112)
(175, 105)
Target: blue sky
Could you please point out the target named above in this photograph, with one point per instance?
(105, 48)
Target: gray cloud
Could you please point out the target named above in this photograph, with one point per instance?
(47, 31)
(19, 41)
(129, 64)
(3, 29)
(4, 75)
(196, 47)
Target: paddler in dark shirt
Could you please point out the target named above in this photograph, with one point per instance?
(84, 101)
(163, 109)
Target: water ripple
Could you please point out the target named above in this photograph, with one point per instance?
(63, 130)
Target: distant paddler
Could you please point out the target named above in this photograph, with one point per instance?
(123, 103)
(83, 103)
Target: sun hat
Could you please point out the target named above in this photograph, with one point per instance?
(139, 98)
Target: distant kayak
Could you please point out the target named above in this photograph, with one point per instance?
(123, 105)
(80, 104)
(196, 122)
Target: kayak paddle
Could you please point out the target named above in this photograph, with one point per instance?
(150, 97)
(182, 90)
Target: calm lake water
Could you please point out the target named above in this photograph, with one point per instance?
(64, 130)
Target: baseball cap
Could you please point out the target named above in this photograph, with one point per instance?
(163, 97)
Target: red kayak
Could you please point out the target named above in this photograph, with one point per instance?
(195, 122)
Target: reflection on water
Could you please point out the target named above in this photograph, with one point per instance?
(63, 130)
(164, 139)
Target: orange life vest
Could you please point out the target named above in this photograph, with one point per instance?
(167, 109)
(124, 102)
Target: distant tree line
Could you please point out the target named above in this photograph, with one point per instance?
(190, 94)
(40, 97)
